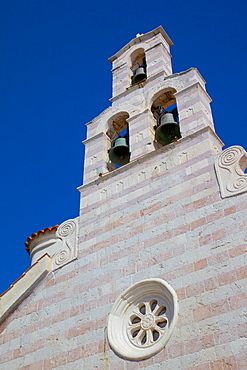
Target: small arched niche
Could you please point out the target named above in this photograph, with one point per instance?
(165, 102)
(138, 66)
(118, 129)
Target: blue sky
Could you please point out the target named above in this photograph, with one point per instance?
(55, 77)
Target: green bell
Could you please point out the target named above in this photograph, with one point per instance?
(139, 75)
(119, 153)
(167, 130)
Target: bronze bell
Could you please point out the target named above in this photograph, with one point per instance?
(167, 130)
(139, 75)
(119, 153)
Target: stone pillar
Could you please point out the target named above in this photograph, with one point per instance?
(96, 156)
(158, 59)
(141, 134)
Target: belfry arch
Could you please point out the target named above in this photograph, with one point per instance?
(116, 124)
(164, 98)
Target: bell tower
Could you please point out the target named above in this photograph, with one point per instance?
(152, 105)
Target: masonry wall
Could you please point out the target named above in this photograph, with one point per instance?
(159, 216)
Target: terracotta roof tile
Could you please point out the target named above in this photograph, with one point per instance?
(34, 235)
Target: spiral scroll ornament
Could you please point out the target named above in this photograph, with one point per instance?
(230, 170)
(240, 184)
(230, 156)
(66, 228)
(68, 243)
(63, 256)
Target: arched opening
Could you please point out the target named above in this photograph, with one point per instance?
(116, 124)
(164, 109)
(118, 132)
(138, 66)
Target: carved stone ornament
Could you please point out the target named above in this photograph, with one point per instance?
(142, 319)
(230, 167)
(68, 234)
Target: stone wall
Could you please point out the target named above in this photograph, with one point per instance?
(159, 216)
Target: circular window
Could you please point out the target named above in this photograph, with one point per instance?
(142, 319)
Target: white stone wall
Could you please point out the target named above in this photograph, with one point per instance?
(160, 216)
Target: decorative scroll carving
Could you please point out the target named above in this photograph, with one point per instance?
(66, 228)
(68, 234)
(142, 319)
(230, 167)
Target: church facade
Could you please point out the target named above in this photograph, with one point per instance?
(152, 273)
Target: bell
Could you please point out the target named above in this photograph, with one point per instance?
(139, 75)
(167, 130)
(119, 153)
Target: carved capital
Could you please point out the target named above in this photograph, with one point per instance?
(230, 167)
(68, 234)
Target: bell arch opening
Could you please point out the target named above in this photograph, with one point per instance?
(118, 132)
(116, 124)
(162, 100)
(164, 110)
(138, 66)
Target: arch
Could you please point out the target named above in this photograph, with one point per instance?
(163, 98)
(116, 124)
(167, 121)
(133, 50)
(136, 58)
(138, 66)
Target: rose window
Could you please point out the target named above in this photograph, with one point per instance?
(142, 319)
(147, 323)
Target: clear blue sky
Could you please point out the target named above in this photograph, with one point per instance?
(55, 77)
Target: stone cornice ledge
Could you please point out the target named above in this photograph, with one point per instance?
(148, 155)
(23, 286)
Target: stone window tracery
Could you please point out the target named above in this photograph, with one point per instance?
(148, 323)
(142, 319)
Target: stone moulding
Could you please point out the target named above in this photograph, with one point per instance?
(22, 287)
(68, 234)
(230, 167)
(142, 319)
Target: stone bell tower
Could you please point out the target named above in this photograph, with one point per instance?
(135, 105)
(152, 274)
